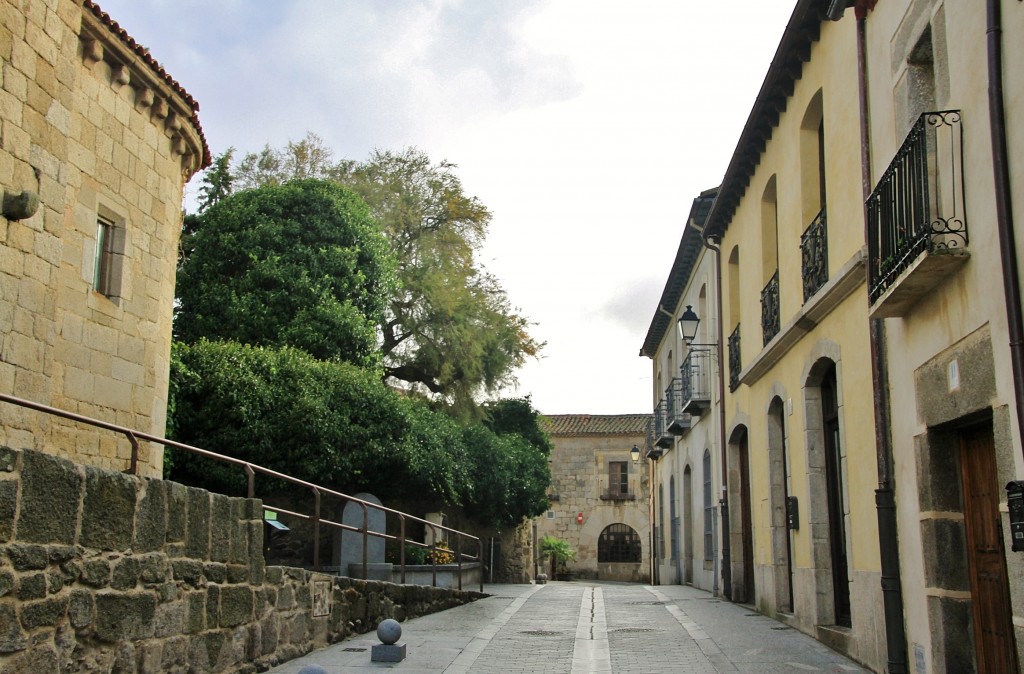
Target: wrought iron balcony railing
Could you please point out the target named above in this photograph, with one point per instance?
(662, 436)
(651, 449)
(695, 375)
(677, 422)
(770, 323)
(917, 208)
(615, 494)
(734, 359)
(814, 249)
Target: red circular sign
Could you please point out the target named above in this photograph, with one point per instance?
(579, 518)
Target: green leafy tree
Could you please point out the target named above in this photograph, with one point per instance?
(338, 425)
(300, 264)
(306, 158)
(330, 423)
(218, 181)
(517, 415)
(449, 330)
(509, 477)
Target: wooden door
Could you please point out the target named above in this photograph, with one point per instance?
(986, 561)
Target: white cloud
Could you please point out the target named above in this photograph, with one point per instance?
(587, 128)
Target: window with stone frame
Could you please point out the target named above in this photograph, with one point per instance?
(618, 478)
(108, 257)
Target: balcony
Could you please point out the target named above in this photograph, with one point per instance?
(770, 308)
(917, 226)
(734, 359)
(651, 450)
(814, 251)
(663, 438)
(677, 422)
(612, 494)
(695, 376)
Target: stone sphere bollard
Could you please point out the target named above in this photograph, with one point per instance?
(312, 669)
(389, 631)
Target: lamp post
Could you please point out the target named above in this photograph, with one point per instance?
(635, 454)
(688, 323)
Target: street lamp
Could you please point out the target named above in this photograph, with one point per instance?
(688, 323)
(635, 454)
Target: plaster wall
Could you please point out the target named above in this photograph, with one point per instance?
(91, 129)
(964, 318)
(688, 450)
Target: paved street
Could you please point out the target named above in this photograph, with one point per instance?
(591, 627)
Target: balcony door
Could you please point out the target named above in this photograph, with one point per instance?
(834, 486)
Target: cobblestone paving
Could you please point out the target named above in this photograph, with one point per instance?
(644, 637)
(581, 627)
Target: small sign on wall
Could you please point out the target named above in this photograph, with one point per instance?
(321, 598)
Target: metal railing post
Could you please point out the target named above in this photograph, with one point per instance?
(316, 529)
(250, 475)
(133, 468)
(401, 546)
(458, 558)
(366, 539)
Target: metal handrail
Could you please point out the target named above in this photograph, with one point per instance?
(251, 469)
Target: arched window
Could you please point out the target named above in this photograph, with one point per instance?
(618, 543)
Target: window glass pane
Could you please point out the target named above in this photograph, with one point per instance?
(618, 543)
(103, 260)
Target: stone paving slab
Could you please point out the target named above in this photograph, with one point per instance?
(583, 627)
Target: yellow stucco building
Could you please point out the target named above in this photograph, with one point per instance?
(873, 335)
(798, 415)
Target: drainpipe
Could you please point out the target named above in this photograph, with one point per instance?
(885, 501)
(1004, 205)
(724, 502)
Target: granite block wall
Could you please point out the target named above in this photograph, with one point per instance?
(106, 572)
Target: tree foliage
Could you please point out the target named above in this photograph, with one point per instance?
(300, 264)
(217, 182)
(559, 551)
(517, 415)
(298, 305)
(339, 426)
(449, 329)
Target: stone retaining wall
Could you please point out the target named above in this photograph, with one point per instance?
(105, 572)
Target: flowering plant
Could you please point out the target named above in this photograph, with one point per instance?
(441, 554)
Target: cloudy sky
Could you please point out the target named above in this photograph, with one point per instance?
(586, 127)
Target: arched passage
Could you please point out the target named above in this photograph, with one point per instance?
(829, 507)
(741, 517)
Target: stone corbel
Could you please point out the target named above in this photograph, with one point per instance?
(172, 125)
(119, 76)
(144, 98)
(179, 146)
(159, 109)
(92, 52)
